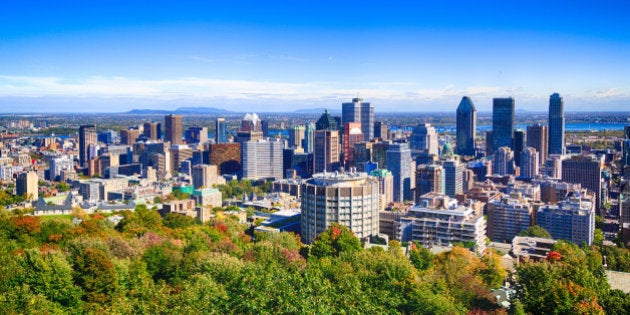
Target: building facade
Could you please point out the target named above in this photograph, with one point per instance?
(466, 127)
(556, 124)
(502, 122)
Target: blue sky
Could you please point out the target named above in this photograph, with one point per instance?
(281, 56)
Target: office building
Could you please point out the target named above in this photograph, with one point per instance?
(180, 153)
(529, 163)
(204, 175)
(626, 146)
(262, 159)
(429, 178)
(264, 128)
(349, 199)
(453, 177)
(489, 148)
(509, 216)
(502, 122)
(380, 130)
(481, 169)
(518, 146)
(26, 184)
(220, 131)
(326, 122)
(424, 139)
(196, 135)
(399, 163)
(226, 156)
(466, 127)
(309, 138)
(250, 130)
(438, 220)
(571, 220)
(326, 151)
(129, 136)
(296, 136)
(553, 166)
(152, 131)
(503, 161)
(556, 124)
(351, 134)
(537, 138)
(359, 112)
(362, 154)
(87, 137)
(58, 165)
(587, 171)
(173, 129)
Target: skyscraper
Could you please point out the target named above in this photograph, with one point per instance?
(453, 177)
(518, 145)
(174, 129)
(326, 122)
(204, 175)
(129, 136)
(529, 163)
(537, 138)
(326, 151)
(399, 163)
(152, 130)
(196, 135)
(309, 137)
(466, 127)
(262, 159)
(221, 131)
(556, 124)
(587, 171)
(251, 129)
(503, 161)
(87, 136)
(360, 112)
(425, 139)
(296, 135)
(380, 130)
(502, 122)
(429, 178)
(351, 134)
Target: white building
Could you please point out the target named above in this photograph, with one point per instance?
(262, 159)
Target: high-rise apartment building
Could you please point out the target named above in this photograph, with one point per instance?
(556, 124)
(349, 199)
(221, 131)
(173, 129)
(360, 112)
(385, 186)
(424, 139)
(571, 220)
(399, 163)
(87, 137)
(440, 220)
(537, 138)
(587, 171)
(466, 127)
(502, 122)
(453, 177)
(262, 159)
(26, 184)
(326, 151)
(529, 163)
(509, 216)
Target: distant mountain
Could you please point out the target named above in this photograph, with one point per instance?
(317, 111)
(180, 110)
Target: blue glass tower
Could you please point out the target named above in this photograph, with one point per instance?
(502, 122)
(556, 124)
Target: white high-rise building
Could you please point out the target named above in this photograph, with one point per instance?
(349, 199)
(262, 159)
(529, 163)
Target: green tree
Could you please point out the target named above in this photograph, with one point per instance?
(535, 231)
(335, 240)
(96, 274)
(420, 257)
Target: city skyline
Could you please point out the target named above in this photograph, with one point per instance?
(274, 57)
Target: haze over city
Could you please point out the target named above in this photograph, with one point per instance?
(276, 56)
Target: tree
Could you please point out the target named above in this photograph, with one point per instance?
(420, 257)
(95, 273)
(335, 240)
(535, 231)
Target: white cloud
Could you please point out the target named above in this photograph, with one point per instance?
(196, 89)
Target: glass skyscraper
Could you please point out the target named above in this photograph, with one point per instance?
(466, 127)
(502, 122)
(221, 132)
(556, 124)
(361, 112)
